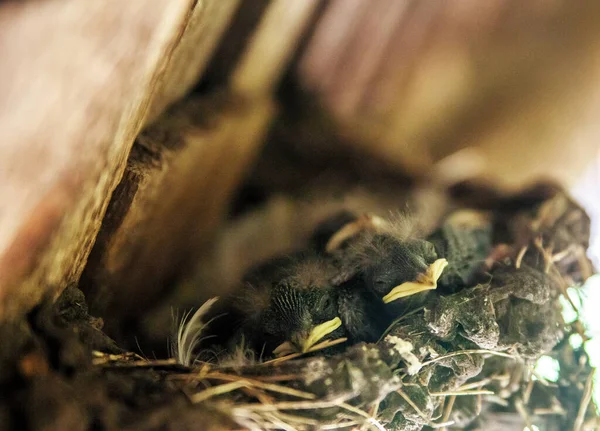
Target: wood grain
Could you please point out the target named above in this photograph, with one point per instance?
(76, 84)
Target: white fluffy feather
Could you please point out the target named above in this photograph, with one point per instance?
(189, 332)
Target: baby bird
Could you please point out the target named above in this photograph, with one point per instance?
(391, 263)
(465, 239)
(361, 273)
(397, 264)
(291, 304)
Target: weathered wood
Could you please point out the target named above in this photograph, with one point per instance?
(416, 82)
(204, 28)
(177, 185)
(184, 171)
(75, 87)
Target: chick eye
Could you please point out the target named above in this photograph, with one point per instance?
(326, 303)
(430, 252)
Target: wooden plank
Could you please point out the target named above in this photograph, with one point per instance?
(204, 28)
(75, 87)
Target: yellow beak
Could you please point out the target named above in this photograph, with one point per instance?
(306, 342)
(318, 332)
(427, 281)
(363, 223)
(284, 349)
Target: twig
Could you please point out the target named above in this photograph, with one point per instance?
(398, 320)
(557, 257)
(467, 352)
(291, 405)
(520, 256)
(370, 419)
(217, 390)
(563, 285)
(551, 266)
(141, 364)
(441, 425)
(497, 400)
(542, 380)
(585, 401)
(527, 392)
(101, 358)
(523, 413)
(474, 385)
(298, 419)
(412, 404)
(282, 359)
(373, 414)
(260, 395)
(278, 377)
(279, 423)
(266, 386)
(308, 405)
(550, 411)
(339, 425)
(478, 405)
(448, 411)
(325, 344)
(585, 266)
(461, 393)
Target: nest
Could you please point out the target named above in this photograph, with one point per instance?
(462, 361)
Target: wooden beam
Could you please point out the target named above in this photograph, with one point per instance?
(76, 85)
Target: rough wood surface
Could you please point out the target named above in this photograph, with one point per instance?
(204, 28)
(514, 86)
(75, 87)
(184, 171)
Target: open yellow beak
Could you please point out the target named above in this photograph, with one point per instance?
(427, 281)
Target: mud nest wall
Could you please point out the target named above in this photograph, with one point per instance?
(169, 147)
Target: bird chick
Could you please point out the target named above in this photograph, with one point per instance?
(402, 269)
(341, 288)
(304, 307)
(302, 311)
(392, 263)
(465, 240)
(289, 299)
